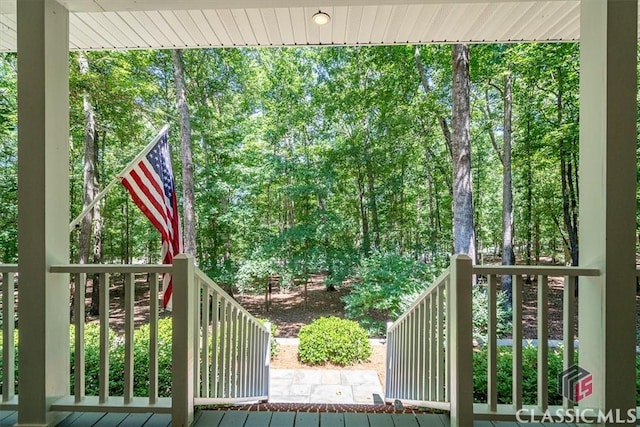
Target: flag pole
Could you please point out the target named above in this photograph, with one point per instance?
(118, 177)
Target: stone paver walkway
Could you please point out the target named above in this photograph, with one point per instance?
(340, 386)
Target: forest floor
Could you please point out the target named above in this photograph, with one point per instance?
(289, 312)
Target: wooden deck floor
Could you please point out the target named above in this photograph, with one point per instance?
(258, 419)
(315, 419)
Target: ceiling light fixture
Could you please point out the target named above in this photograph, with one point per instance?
(321, 18)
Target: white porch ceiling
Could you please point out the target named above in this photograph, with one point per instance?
(136, 24)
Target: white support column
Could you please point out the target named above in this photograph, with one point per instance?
(43, 206)
(182, 341)
(607, 317)
(459, 326)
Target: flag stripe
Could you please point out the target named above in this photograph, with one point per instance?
(152, 187)
(147, 176)
(148, 207)
(142, 201)
(149, 203)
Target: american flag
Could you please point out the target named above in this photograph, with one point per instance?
(151, 185)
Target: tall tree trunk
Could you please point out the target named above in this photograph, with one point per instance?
(402, 241)
(189, 224)
(442, 120)
(371, 192)
(89, 173)
(446, 133)
(463, 226)
(569, 203)
(366, 242)
(508, 256)
(529, 203)
(98, 224)
(568, 176)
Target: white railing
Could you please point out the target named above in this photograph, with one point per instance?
(492, 274)
(9, 397)
(220, 353)
(232, 349)
(429, 348)
(128, 275)
(416, 356)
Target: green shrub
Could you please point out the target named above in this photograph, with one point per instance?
(480, 307)
(331, 339)
(116, 360)
(15, 355)
(529, 375)
(384, 282)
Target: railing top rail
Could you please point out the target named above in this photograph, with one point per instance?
(437, 283)
(8, 268)
(537, 270)
(111, 268)
(206, 279)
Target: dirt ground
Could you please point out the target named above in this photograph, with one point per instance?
(287, 309)
(287, 358)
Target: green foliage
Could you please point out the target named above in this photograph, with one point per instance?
(387, 283)
(317, 157)
(116, 360)
(480, 309)
(15, 355)
(529, 375)
(253, 274)
(8, 159)
(341, 265)
(333, 340)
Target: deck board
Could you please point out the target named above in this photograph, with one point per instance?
(432, 420)
(380, 420)
(135, 420)
(67, 421)
(234, 419)
(258, 419)
(356, 420)
(8, 418)
(209, 418)
(331, 419)
(307, 419)
(87, 419)
(158, 420)
(283, 419)
(111, 419)
(404, 420)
